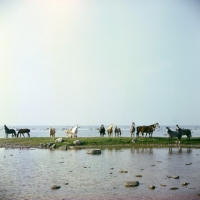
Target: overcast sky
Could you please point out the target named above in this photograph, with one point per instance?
(93, 62)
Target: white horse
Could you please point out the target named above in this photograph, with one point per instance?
(72, 133)
(132, 129)
(52, 132)
(110, 130)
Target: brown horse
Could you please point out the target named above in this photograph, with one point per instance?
(22, 131)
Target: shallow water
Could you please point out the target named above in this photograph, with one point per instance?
(30, 173)
(91, 131)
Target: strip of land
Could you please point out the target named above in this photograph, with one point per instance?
(33, 142)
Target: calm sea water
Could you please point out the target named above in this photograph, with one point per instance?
(30, 173)
(91, 131)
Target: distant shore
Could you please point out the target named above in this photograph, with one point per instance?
(97, 142)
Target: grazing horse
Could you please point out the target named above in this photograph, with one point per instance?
(52, 132)
(22, 131)
(110, 130)
(172, 134)
(102, 130)
(147, 129)
(186, 132)
(9, 131)
(132, 129)
(118, 131)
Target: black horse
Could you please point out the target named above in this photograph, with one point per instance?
(102, 130)
(22, 131)
(186, 132)
(9, 131)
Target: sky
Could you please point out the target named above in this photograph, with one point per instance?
(93, 62)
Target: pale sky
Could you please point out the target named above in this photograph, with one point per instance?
(93, 62)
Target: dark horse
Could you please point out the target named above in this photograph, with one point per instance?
(102, 130)
(172, 134)
(22, 131)
(9, 131)
(186, 132)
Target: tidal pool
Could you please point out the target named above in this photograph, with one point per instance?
(30, 173)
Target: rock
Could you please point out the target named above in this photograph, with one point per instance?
(123, 171)
(64, 148)
(77, 142)
(152, 187)
(185, 183)
(48, 145)
(65, 183)
(168, 176)
(59, 140)
(174, 188)
(163, 185)
(138, 175)
(53, 146)
(94, 152)
(55, 187)
(134, 140)
(132, 184)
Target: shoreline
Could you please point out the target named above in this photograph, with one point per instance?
(96, 142)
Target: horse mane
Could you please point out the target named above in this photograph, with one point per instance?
(6, 127)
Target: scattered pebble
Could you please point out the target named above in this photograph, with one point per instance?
(152, 187)
(188, 163)
(132, 184)
(123, 171)
(55, 187)
(65, 183)
(174, 188)
(185, 183)
(163, 185)
(138, 175)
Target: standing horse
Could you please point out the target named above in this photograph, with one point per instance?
(9, 131)
(172, 134)
(52, 132)
(117, 131)
(22, 131)
(102, 130)
(146, 129)
(186, 132)
(132, 129)
(110, 130)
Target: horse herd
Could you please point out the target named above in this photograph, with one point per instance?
(72, 133)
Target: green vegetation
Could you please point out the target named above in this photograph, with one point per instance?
(97, 141)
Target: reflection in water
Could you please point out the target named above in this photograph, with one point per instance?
(29, 174)
(180, 150)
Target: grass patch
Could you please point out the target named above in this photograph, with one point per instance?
(97, 141)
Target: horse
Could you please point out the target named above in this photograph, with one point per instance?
(132, 129)
(52, 132)
(70, 134)
(172, 134)
(22, 131)
(102, 130)
(9, 131)
(186, 132)
(117, 131)
(110, 130)
(147, 129)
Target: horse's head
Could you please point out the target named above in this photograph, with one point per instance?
(133, 123)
